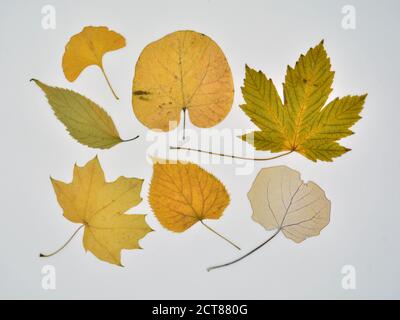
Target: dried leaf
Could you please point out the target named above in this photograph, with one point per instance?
(282, 201)
(100, 206)
(86, 121)
(301, 123)
(87, 48)
(184, 70)
(182, 194)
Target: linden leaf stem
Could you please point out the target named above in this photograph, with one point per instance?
(232, 156)
(219, 235)
(63, 246)
(247, 254)
(108, 82)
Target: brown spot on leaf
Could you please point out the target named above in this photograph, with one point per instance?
(141, 93)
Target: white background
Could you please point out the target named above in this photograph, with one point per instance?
(363, 185)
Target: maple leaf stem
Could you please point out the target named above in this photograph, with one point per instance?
(134, 138)
(219, 235)
(63, 246)
(247, 254)
(231, 156)
(108, 82)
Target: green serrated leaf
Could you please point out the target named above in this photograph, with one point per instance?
(85, 121)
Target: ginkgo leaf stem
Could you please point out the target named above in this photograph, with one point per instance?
(247, 254)
(184, 123)
(134, 138)
(232, 156)
(108, 82)
(219, 235)
(63, 246)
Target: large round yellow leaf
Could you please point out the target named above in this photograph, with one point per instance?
(184, 70)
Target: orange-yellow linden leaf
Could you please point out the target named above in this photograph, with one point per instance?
(182, 194)
(100, 207)
(87, 48)
(184, 70)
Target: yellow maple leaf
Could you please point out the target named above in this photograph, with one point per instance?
(87, 48)
(100, 206)
(302, 123)
(184, 70)
(182, 194)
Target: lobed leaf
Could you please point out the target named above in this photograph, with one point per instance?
(302, 123)
(100, 207)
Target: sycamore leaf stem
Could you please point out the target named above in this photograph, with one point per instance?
(232, 156)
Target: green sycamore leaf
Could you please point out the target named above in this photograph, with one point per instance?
(301, 123)
(85, 121)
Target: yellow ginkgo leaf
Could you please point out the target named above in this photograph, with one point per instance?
(99, 207)
(87, 48)
(187, 71)
(182, 194)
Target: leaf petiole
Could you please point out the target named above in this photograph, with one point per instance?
(127, 140)
(247, 254)
(219, 235)
(63, 246)
(108, 82)
(231, 156)
(184, 123)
